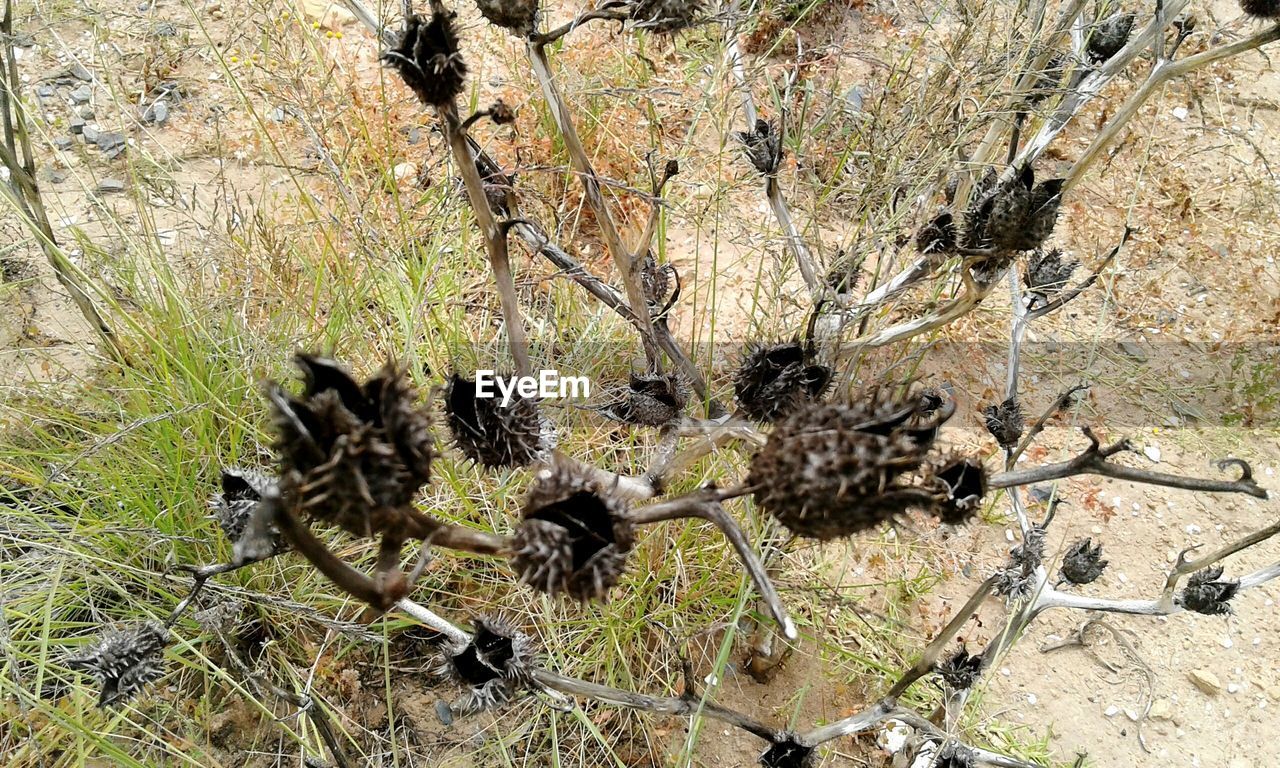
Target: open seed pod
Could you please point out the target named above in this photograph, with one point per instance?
(773, 380)
(1083, 563)
(954, 755)
(788, 752)
(1263, 9)
(350, 454)
(960, 671)
(650, 400)
(1048, 272)
(1005, 422)
(665, 16)
(762, 146)
(123, 661)
(242, 490)
(428, 59)
(517, 16)
(491, 668)
(1208, 593)
(832, 470)
(961, 482)
(575, 536)
(938, 236)
(491, 434)
(1109, 36)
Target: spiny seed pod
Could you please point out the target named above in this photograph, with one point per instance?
(656, 280)
(1015, 581)
(963, 483)
(762, 146)
(931, 399)
(428, 59)
(491, 434)
(830, 470)
(123, 661)
(978, 215)
(1042, 216)
(788, 752)
(961, 670)
(1048, 79)
(491, 668)
(845, 273)
(1048, 272)
(665, 16)
(353, 455)
(1109, 37)
(575, 536)
(518, 16)
(775, 380)
(651, 400)
(1005, 422)
(938, 236)
(497, 186)
(954, 756)
(500, 112)
(1083, 563)
(1010, 205)
(1208, 593)
(242, 490)
(1262, 9)
(1030, 553)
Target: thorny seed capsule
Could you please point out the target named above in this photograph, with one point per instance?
(788, 752)
(428, 59)
(491, 668)
(954, 756)
(242, 490)
(938, 236)
(501, 113)
(575, 536)
(1208, 593)
(1083, 563)
(960, 671)
(492, 435)
(1048, 273)
(354, 455)
(518, 16)
(656, 281)
(775, 380)
(1109, 36)
(650, 399)
(1009, 208)
(962, 483)
(124, 660)
(762, 147)
(1263, 9)
(1005, 421)
(665, 16)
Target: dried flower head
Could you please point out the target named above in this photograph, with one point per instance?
(938, 236)
(124, 660)
(1005, 421)
(665, 16)
(774, 380)
(1083, 563)
(650, 399)
(353, 455)
(491, 668)
(575, 536)
(832, 470)
(954, 755)
(491, 434)
(497, 186)
(1109, 36)
(1048, 272)
(1208, 593)
(1262, 9)
(762, 146)
(1015, 581)
(656, 280)
(518, 16)
(500, 112)
(1019, 215)
(1030, 552)
(788, 752)
(242, 491)
(961, 482)
(960, 671)
(428, 59)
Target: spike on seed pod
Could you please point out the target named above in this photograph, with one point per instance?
(964, 483)
(575, 536)
(1262, 9)
(1048, 272)
(788, 752)
(1005, 422)
(831, 470)
(491, 667)
(518, 16)
(650, 400)
(774, 380)
(350, 454)
(1109, 37)
(665, 16)
(762, 147)
(960, 671)
(428, 59)
(938, 236)
(491, 434)
(1083, 563)
(123, 661)
(1208, 593)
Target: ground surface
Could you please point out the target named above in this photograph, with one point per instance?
(1195, 298)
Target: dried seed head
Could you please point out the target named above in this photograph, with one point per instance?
(1109, 36)
(492, 667)
(242, 490)
(575, 536)
(1042, 216)
(125, 660)
(1015, 581)
(762, 146)
(656, 280)
(500, 112)
(978, 214)
(1010, 205)
(665, 16)
(832, 470)
(845, 272)
(1005, 422)
(955, 756)
(650, 399)
(788, 752)
(353, 455)
(938, 236)
(962, 483)
(774, 380)
(428, 59)
(1048, 273)
(518, 16)
(493, 435)
(1208, 593)
(1083, 563)
(1263, 9)
(961, 670)
(1030, 552)
(497, 186)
